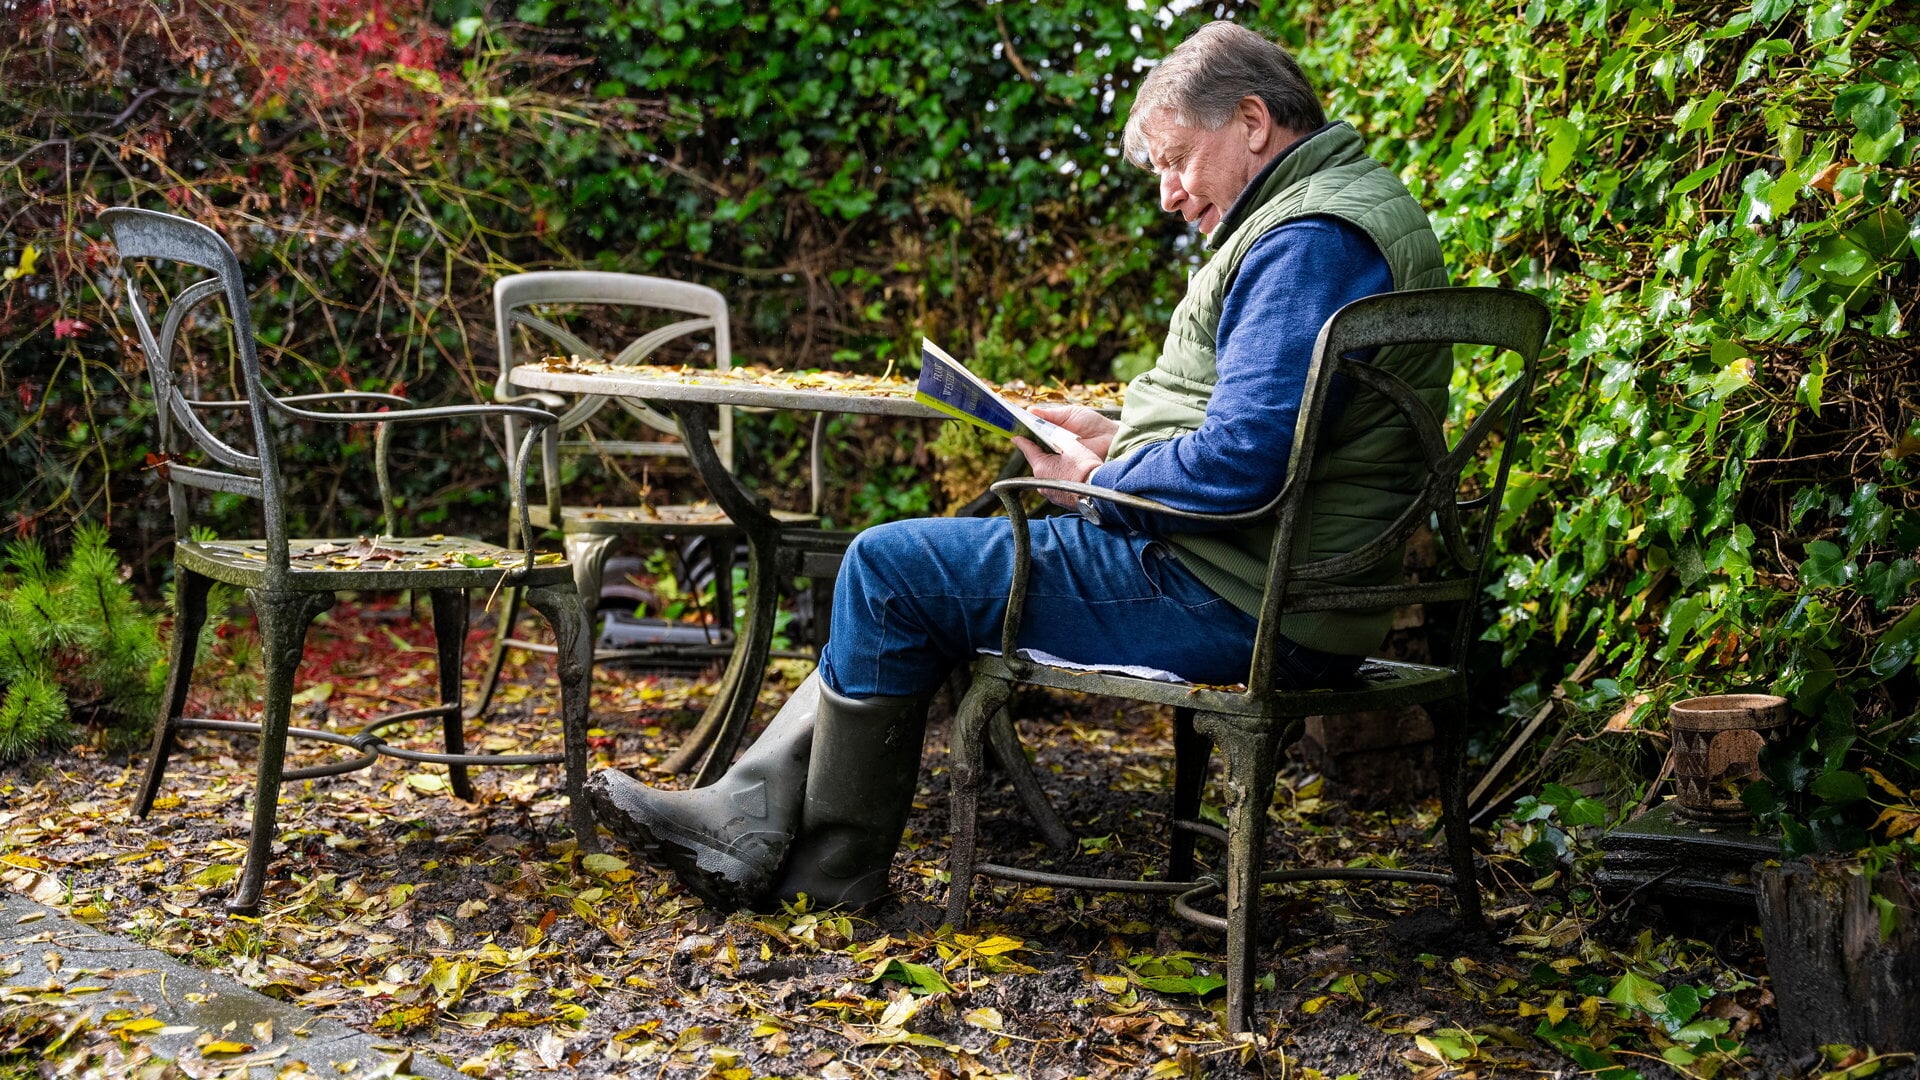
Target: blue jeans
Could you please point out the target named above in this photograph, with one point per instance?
(916, 598)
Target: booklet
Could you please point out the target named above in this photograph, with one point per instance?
(946, 385)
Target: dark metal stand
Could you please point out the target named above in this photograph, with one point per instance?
(1664, 853)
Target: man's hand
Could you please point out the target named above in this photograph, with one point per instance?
(1078, 460)
(1095, 430)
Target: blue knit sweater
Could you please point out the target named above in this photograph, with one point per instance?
(1290, 282)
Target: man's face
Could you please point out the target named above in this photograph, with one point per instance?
(1202, 172)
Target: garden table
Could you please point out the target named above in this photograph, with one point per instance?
(690, 396)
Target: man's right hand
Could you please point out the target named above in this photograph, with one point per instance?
(1096, 430)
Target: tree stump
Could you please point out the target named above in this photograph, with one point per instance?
(1834, 978)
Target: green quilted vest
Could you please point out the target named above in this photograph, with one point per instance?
(1369, 467)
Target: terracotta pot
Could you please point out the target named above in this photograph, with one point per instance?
(1716, 748)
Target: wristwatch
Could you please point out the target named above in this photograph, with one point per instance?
(1088, 508)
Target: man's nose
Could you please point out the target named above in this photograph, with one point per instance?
(1171, 194)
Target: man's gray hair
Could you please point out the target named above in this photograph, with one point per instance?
(1203, 80)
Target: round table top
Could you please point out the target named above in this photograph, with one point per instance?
(772, 388)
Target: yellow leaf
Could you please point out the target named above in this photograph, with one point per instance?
(24, 862)
(1112, 984)
(226, 1046)
(141, 1026)
(314, 695)
(1883, 783)
(997, 944)
(603, 865)
(215, 875)
(1897, 822)
(987, 1019)
(427, 782)
(900, 1010)
(1314, 1005)
(27, 257)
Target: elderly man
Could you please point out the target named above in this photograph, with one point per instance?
(1301, 221)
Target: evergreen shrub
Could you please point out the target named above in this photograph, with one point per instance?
(73, 642)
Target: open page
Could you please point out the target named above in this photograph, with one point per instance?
(946, 385)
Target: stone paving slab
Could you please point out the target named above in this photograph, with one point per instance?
(78, 967)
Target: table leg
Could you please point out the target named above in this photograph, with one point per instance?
(713, 741)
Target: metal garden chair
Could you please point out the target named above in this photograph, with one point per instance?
(288, 580)
(531, 303)
(1252, 724)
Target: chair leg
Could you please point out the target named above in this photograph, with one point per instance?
(190, 615)
(1012, 757)
(509, 614)
(283, 635)
(564, 612)
(1450, 723)
(1190, 752)
(450, 615)
(822, 625)
(588, 553)
(966, 755)
(723, 581)
(1252, 758)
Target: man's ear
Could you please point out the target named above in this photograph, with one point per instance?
(1254, 119)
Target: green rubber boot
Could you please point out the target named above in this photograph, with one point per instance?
(861, 778)
(726, 841)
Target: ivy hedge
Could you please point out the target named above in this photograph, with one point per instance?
(1717, 199)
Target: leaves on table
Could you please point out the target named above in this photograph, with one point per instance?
(1097, 396)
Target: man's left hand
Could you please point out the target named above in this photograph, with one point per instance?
(1075, 463)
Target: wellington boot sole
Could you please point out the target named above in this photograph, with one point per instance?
(728, 876)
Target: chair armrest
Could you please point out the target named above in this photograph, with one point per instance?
(313, 399)
(351, 395)
(540, 425)
(533, 397)
(537, 417)
(1010, 488)
(1009, 491)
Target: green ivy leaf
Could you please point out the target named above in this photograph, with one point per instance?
(1840, 787)
(1636, 991)
(1826, 564)
(1700, 176)
(1564, 140)
(919, 978)
(1680, 1004)
(1197, 985)
(1897, 647)
(1889, 916)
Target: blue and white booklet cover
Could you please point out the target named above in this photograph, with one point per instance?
(947, 385)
